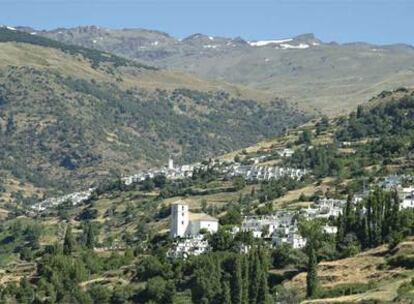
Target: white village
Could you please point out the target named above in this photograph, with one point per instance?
(189, 229)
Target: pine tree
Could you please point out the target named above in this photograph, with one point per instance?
(69, 241)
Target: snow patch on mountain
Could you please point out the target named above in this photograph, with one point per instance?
(267, 42)
(291, 46)
(210, 46)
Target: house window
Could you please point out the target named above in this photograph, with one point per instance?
(182, 222)
(182, 214)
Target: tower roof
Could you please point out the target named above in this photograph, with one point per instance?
(179, 202)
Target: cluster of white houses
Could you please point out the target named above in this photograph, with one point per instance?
(280, 228)
(249, 172)
(406, 194)
(75, 198)
(264, 173)
(170, 172)
(324, 209)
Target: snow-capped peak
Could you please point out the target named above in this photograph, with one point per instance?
(7, 27)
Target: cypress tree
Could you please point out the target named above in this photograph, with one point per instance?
(340, 234)
(90, 237)
(312, 275)
(254, 277)
(69, 241)
(366, 241)
(349, 215)
(263, 293)
(245, 289)
(226, 293)
(236, 281)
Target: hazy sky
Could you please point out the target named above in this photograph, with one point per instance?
(377, 21)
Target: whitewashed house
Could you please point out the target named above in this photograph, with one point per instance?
(407, 197)
(325, 209)
(330, 229)
(287, 152)
(288, 235)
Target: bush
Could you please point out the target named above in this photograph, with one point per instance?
(402, 260)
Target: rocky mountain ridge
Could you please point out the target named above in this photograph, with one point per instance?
(319, 76)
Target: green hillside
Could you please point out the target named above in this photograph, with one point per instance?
(70, 116)
(112, 248)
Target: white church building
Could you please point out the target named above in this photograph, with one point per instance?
(187, 224)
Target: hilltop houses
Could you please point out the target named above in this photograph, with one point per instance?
(75, 198)
(170, 172)
(324, 209)
(264, 226)
(281, 227)
(264, 173)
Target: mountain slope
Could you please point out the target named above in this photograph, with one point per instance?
(68, 114)
(325, 77)
(128, 225)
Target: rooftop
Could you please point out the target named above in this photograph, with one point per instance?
(202, 217)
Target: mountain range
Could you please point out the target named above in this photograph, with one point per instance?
(318, 76)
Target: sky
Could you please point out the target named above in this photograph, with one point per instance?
(374, 21)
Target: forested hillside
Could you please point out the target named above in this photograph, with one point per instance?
(70, 115)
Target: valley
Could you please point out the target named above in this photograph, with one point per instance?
(120, 234)
(70, 115)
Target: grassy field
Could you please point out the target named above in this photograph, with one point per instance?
(368, 269)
